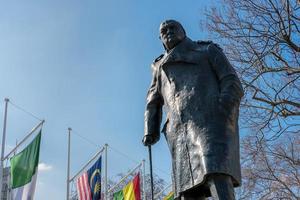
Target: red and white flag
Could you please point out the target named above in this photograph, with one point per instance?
(83, 187)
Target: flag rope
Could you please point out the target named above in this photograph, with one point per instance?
(123, 154)
(84, 138)
(118, 151)
(25, 111)
(133, 160)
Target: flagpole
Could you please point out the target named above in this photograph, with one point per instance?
(124, 178)
(87, 164)
(161, 192)
(68, 169)
(24, 139)
(3, 145)
(144, 177)
(106, 189)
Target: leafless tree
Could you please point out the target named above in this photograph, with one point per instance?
(271, 169)
(262, 40)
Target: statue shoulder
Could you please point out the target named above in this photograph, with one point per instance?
(207, 43)
(156, 61)
(204, 42)
(158, 58)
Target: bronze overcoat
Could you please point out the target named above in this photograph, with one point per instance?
(189, 82)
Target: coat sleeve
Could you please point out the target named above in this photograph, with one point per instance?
(230, 85)
(153, 113)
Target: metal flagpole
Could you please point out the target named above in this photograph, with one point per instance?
(125, 177)
(16, 145)
(24, 139)
(144, 177)
(68, 169)
(106, 187)
(161, 192)
(87, 164)
(151, 174)
(3, 146)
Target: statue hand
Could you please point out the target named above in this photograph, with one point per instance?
(148, 140)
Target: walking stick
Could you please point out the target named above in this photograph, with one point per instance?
(151, 174)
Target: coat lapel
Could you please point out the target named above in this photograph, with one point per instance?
(180, 53)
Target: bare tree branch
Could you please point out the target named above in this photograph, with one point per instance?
(262, 41)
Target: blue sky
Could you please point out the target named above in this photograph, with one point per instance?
(85, 65)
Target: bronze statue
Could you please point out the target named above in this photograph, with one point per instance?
(200, 93)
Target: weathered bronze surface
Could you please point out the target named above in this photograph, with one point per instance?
(200, 93)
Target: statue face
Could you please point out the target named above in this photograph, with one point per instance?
(171, 33)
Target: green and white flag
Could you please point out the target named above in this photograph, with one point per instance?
(24, 168)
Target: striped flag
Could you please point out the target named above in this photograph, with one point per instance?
(83, 187)
(89, 183)
(24, 168)
(131, 191)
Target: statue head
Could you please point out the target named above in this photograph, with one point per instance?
(171, 33)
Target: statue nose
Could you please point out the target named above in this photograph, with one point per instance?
(170, 31)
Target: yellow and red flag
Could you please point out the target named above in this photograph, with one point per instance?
(131, 191)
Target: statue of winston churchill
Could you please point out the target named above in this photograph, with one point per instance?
(200, 93)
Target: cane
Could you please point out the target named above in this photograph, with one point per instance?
(151, 174)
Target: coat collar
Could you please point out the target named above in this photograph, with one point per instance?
(178, 53)
(184, 45)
